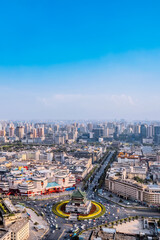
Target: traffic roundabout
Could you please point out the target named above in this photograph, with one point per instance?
(96, 211)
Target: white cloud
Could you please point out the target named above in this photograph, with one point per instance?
(82, 98)
(88, 105)
(122, 99)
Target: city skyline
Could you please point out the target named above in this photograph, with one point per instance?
(80, 60)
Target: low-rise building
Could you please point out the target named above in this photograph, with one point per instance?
(20, 230)
(5, 234)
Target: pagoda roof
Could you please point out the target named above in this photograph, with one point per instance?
(78, 194)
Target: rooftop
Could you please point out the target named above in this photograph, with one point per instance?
(3, 232)
(52, 184)
(154, 186)
(78, 194)
(9, 205)
(15, 227)
(109, 230)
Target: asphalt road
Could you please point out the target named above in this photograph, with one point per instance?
(98, 175)
(113, 212)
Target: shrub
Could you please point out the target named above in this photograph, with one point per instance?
(129, 219)
(2, 207)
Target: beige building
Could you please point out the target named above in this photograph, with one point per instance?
(152, 194)
(5, 234)
(20, 230)
(137, 171)
(133, 190)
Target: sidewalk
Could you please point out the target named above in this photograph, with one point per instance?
(34, 234)
(123, 205)
(42, 197)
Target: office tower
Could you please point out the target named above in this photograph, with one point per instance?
(115, 132)
(2, 133)
(143, 131)
(56, 128)
(59, 139)
(11, 131)
(110, 125)
(26, 128)
(90, 127)
(136, 129)
(150, 131)
(82, 128)
(40, 131)
(98, 132)
(157, 134)
(34, 132)
(105, 132)
(20, 132)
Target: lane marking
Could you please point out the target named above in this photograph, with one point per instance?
(62, 234)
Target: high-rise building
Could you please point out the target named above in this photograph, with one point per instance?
(150, 131)
(98, 132)
(2, 133)
(26, 129)
(11, 131)
(56, 128)
(143, 131)
(59, 139)
(157, 134)
(20, 132)
(90, 127)
(136, 129)
(40, 131)
(34, 132)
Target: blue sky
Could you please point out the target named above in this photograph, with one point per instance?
(80, 59)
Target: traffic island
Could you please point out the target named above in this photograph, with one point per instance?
(96, 211)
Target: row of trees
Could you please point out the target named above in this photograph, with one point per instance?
(102, 178)
(90, 176)
(120, 221)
